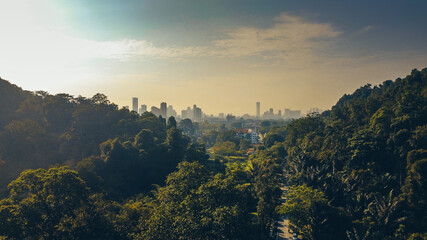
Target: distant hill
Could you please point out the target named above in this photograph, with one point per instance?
(11, 97)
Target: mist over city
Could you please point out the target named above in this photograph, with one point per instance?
(196, 114)
(225, 119)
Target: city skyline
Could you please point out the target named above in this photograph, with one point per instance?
(197, 114)
(224, 55)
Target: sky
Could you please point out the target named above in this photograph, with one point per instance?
(223, 55)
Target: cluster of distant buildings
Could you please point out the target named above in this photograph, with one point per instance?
(196, 114)
(167, 111)
(288, 114)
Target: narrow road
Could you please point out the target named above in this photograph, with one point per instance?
(283, 231)
(283, 222)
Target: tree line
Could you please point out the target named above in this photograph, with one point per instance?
(80, 168)
(359, 170)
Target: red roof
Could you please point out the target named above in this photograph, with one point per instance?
(241, 130)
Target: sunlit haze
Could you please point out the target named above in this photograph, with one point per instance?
(221, 55)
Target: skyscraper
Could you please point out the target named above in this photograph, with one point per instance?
(184, 114)
(155, 111)
(258, 109)
(135, 104)
(189, 113)
(197, 113)
(163, 109)
(142, 109)
(171, 112)
(292, 114)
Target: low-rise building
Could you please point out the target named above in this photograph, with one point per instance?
(254, 137)
(241, 132)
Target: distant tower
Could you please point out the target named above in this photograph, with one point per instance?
(135, 104)
(189, 113)
(258, 109)
(197, 114)
(184, 114)
(142, 109)
(171, 112)
(163, 109)
(155, 111)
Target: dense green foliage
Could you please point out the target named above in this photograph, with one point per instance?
(78, 168)
(195, 203)
(41, 130)
(124, 169)
(111, 148)
(368, 157)
(127, 176)
(53, 204)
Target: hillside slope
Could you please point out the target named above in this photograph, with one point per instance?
(368, 155)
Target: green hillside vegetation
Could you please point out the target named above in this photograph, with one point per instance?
(39, 130)
(80, 168)
(366, 161)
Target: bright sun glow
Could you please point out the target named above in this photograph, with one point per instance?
(291, 56)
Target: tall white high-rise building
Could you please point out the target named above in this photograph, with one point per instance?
(163, 109)
(197, 113)
(258, 109)
(135, 104)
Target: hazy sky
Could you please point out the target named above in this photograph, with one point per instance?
(222, 55)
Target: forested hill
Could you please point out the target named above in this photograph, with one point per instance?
(39, 130)
(80, 168)
(358, 171)
(11, 97)
(363, 164)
